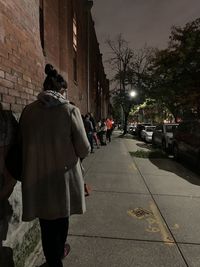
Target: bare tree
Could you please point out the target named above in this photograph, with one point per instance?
(128, 66)
(120, 62)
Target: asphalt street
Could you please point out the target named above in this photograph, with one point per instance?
(141, 212)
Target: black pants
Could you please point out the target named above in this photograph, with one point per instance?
(101, 137)
(54, 235)
(90, 139)
(108, 134)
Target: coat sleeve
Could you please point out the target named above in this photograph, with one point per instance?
(79, 138)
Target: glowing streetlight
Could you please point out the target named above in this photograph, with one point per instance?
(133, 94)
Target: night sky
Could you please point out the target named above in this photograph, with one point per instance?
(141, 21)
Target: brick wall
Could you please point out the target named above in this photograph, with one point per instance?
(78, 90)
(21, 55)
(21, 58)
(22, 61)
(52, 33)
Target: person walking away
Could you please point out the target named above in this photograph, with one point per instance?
(99, 132)
(53, 139)
(95, 137)
(102, 129)
(109, 125)
(89, 131)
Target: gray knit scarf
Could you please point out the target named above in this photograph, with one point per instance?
(51, 98)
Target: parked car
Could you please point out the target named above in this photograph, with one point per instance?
(163, 136)
(147, 132)
(186, 141)
(131, 129)
(139, 128)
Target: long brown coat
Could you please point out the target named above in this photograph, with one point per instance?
(53, 140)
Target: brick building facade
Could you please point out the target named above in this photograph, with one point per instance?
(33, 33)
(60, 32)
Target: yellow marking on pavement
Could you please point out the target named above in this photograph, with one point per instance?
(155, 222)
(139, 213)
(152, 229)
(161, 225)
(176, 226)
(132, 166)
(151, 221)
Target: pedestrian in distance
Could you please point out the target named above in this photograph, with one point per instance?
(89, 131)
(93, 121)
(109, 124)
(101, 131)
(53, 140)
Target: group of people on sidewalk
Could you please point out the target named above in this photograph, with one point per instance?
(98, 133)
(51, 141)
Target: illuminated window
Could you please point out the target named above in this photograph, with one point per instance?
(75, 43)
(75, 32)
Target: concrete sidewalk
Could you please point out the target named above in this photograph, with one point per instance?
(129, 219)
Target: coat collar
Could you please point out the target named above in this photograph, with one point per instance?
(51, 98)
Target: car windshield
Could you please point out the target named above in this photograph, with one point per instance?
(171, 128)
(150, 129)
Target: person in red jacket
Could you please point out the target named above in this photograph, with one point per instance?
(109, 124)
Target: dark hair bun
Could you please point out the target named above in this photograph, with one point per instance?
(50, 71)
(53, 81)
(53, 73)
(48, 68)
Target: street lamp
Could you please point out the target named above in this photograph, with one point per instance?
(131, 90)
(133, 94)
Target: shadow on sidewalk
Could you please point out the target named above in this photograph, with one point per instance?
(145, 145)
(126, 136)
(185, 171)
